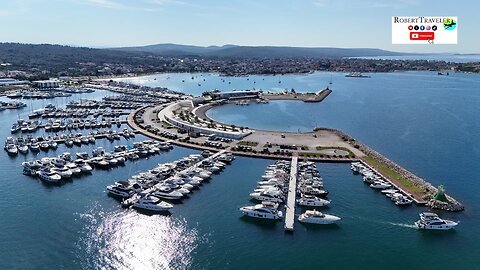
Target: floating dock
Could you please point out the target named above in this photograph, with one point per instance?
(292, 193)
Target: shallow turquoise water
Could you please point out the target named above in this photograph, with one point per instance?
(425, 122)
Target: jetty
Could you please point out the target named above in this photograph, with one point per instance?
(292, 192)
(130, 201)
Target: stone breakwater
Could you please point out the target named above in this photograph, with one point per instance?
(428, 189)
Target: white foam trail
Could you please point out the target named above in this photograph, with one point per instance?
(403, 225)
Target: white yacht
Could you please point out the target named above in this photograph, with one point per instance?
(73, 168)
(307, 200)
(23, 148)
(121, 189)
(268, 196)
(172, 195)
(431, 221)
(264, 210)
(152, 203)
(49, 176)
(64, 172)
(380, 185)
(317, 217)
(12, 149)
(400, 199)
(84, 167)
(389, 192)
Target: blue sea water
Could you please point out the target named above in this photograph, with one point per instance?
(423, 121)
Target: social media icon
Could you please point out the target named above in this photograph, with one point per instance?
(428, 27)
(422, 27)
(434, 28)
(416, 27)
(410, 27)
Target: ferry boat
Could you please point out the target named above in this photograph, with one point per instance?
(152, 203)
(356, 75)
(265, 210)
(431, 221)
(317, 217)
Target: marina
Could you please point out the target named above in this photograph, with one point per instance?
(359, 213)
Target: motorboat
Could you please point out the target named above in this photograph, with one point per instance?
(389, 192)
(317, 217)
(82, 155)
(11, 149)
(431, 221)
(172, 195)
(152, 203)
(400, 199)
(265, 210)
(49, 176)
(308, 200)
(84, 167)
(380, 185)
(34, 147)
(267, 196)
(63, 171)
(73, 168)
(121, 189)
(23, 148)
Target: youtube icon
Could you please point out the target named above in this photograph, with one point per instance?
(422, 35)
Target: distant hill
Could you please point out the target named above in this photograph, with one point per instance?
(169, 49)
(256, 51)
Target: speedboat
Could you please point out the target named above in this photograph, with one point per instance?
(431, 221)
(317, 217)
(307, 200)
(265, 210)
(121, 189)
(152, 203)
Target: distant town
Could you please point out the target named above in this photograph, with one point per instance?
(20, 64)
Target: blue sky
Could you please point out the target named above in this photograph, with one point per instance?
(309, 23)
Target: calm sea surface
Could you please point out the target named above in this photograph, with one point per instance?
(425, 122)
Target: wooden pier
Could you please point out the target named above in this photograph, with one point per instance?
(291, 197)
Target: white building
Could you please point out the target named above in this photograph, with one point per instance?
(47, 84)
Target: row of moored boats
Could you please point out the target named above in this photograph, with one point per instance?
(376, 181)
(156, 189)
(272, 189)
(63, 167)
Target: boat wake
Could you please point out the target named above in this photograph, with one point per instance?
(403, 225)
